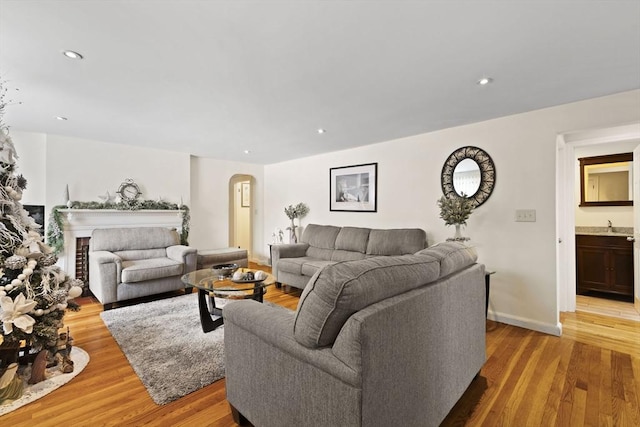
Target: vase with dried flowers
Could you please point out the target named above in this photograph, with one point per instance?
(455, 211)
(293, 212)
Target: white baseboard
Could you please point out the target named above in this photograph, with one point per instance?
(521, 322)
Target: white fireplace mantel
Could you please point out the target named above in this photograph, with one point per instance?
(81, 223)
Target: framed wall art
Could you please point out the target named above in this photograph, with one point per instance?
(353, 188)
(246, 194)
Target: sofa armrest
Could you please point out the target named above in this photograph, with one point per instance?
(273, 327)
(105, 269)
(184, 254)
(292, 250)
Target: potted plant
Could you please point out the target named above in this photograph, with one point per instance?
(293, 212)
(455, 211)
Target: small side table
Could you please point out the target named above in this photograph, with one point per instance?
(487, 287)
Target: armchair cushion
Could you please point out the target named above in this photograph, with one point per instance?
(124, 239)
(141, 254)
(339, 290)
(148, 269)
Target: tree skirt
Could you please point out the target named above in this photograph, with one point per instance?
(55, 380)
(165, 345)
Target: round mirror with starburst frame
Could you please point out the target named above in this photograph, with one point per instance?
(487, 174)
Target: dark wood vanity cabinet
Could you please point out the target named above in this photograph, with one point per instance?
(604, 264)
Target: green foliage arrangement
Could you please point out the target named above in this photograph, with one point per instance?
(297, 211)
(55, 234)
(455, 210)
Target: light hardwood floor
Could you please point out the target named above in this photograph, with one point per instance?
(589, 376)
(607, 307)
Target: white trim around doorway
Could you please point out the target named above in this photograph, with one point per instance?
(565, 201)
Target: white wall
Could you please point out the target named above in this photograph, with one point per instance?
(597, 216)
(523, 148)
(31, 149)
(91, 168)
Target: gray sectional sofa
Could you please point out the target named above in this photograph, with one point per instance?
(382, 341)
(126, 263)
(323, 245)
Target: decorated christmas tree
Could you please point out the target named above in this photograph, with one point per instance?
(34, 292)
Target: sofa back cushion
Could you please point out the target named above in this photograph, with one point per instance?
(319, 253)
(125, 239)
(320, 236)
(396, 242)
(141, 254)
(453, 256)
(353, 239)
(336, 292)
(321, 240)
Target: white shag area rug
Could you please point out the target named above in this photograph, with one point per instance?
(56, 379)
(165, 345)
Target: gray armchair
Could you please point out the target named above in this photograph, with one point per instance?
(126, 263)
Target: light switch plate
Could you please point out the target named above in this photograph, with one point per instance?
(525, 215)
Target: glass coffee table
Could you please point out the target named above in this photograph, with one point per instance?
(211, 286)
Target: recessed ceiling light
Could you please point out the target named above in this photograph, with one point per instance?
(61, 118)
(485, 81)
(321, 131)
(247, 151)
(72, 55)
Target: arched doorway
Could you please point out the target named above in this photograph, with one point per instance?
(241, 212)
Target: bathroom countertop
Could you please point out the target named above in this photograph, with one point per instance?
(603, 231)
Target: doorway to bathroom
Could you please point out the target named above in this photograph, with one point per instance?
(571, 218)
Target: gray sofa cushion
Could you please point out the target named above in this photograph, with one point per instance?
(353, 239)
(340, 255)
(304, 266)
(396, 242)
(320, 236)
(147, 269)
(310, 268)
(453, 256)
(142, 254)
(319, 253)
(339, 290)
(124, 239)
(292, 265)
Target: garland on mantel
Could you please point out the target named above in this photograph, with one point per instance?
(55, 230)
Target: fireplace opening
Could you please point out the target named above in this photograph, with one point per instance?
(82, 261)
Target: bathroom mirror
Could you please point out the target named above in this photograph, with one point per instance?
(469, 172)
(606, 180)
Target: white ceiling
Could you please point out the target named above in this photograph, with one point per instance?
(215, 78)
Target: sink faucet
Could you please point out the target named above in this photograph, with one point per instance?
(609, 227)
